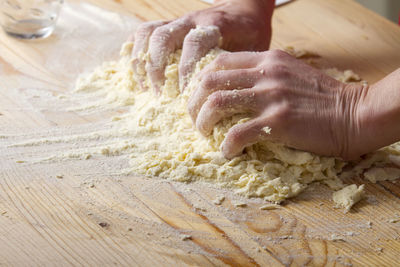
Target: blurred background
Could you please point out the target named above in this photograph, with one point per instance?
(387, 8)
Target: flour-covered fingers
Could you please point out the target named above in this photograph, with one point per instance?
(197, 44)
(163, 42)
(223, 104)
(246, 134)
(230, 61)
(142, 37)
(220, 80)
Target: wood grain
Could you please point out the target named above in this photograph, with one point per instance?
(91, 217)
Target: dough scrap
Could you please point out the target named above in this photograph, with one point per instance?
(377, 174)
(348, 196)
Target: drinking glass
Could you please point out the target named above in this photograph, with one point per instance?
(29, 19)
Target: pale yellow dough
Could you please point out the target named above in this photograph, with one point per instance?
(164, 143)
(348, 196)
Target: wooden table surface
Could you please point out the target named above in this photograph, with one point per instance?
(91, 217)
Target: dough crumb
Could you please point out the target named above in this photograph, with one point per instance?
(104, 224)
(269, 207)
(240, 204)
(335, 238)
(60, 176)
(267, 130)
(394, 220)
(348, 196)
(299, 53)
(186, 237)
(382, 174)
(219, 200)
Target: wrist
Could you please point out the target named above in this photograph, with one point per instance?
(380, 113)
(351, 130)
(265, 6)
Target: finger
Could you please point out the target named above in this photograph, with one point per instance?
(196, 45)
(243, 135)
(230, 61)
(142, 37)
(223, 104)
(220, 80)
(163, 42)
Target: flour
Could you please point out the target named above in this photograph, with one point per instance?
(158, 136)
(167, 145)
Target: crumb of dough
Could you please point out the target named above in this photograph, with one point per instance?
(377, 174)
(186, 237)
(104, 224)
(346, 76)
(335, 238)
(20, 161)
(267, 130)
(286, 237)
(394, 220)
(269, 207)
(240, 204)
(299, 53)
(60, 176)
(219, 200)
(348, 196)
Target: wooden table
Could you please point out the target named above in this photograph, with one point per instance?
(90, 217)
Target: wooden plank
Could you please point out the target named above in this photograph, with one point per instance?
(92, 217)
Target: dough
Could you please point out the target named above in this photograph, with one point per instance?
(348, 196)
(164, 143)
(377, 174)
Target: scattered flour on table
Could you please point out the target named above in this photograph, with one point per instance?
(158, 136)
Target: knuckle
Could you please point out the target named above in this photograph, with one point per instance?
(221, 59)
(278, 71)
(276, 54)
(145, 28)
(281, 114)
(160, 34)
(216, 100)
(277, 93)
(208, 82)
(194, 38)
(234, 135)
(192, 108)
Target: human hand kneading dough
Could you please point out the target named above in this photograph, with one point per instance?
(305, 108)
(242, 24)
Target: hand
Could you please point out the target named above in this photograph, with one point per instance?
(242, 24)
(304, 108)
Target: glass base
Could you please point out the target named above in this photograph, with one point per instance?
(30, 29)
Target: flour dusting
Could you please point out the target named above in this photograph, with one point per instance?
(158, 137)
